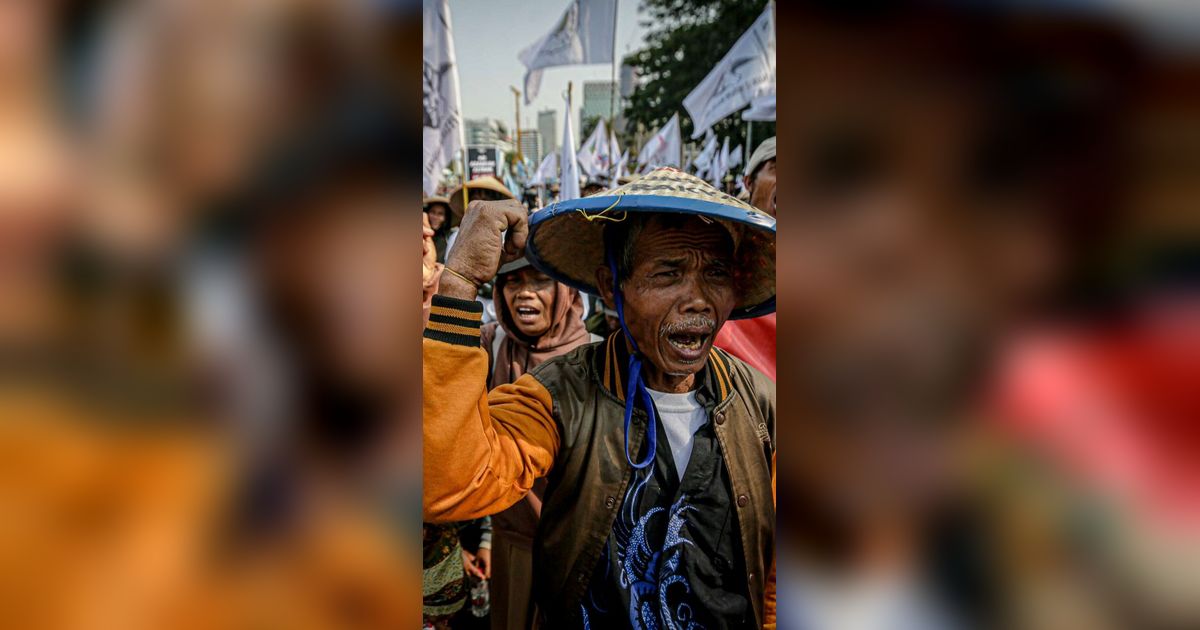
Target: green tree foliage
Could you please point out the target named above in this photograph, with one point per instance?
(589, 125)
(686, 38)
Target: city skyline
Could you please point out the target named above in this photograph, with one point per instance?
(487, 42)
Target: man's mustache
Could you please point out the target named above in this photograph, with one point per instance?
(688, 324)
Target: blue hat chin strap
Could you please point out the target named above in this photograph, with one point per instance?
(635, 387)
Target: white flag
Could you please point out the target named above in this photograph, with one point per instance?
(568, 181)
(720, 165)
(663, 148)
(593, 154)
(547, 171)
(735, 157)
(623, 165)
(704, 159)
(762, 108)
(583, 34)
(442, 130)
(746, 72)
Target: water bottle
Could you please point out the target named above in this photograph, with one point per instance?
(481, 603)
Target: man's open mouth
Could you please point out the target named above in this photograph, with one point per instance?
(689, 343)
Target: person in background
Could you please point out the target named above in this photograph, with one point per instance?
(603, 319)
(431, 269)
(753, 340)
(442, 221)
(593, 186)
(457, 557)
(759, 178)
(538, 319)
(531, 199)
(484, 189)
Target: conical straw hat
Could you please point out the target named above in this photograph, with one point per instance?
(566, 239)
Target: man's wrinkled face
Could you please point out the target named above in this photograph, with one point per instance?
(762, 187)
(679, 292)
(437, 216)
(529, 295)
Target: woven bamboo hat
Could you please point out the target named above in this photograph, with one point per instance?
(566, 239)
(493, 190)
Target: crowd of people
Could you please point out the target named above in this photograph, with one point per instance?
(527, 318)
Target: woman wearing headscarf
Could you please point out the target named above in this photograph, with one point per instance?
(538, 319)
(442, 221)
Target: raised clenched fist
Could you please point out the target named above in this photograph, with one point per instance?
(480, 247)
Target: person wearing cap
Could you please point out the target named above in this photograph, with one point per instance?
(538, 319)
(759, 177)
(753, 340)
(658, 450)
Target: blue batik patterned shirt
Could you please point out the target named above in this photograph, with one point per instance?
(674, 557)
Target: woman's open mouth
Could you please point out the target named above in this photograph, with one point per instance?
(528, 314)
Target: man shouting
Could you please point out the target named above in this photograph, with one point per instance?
(659, 450)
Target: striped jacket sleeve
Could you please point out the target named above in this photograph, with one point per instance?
(482, 452)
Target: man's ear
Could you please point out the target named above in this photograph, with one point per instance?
(604, 284)
(748, 184)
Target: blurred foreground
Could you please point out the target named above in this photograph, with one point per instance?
(988, 274)
(207, 273)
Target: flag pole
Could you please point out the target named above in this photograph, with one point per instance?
(682, 166)
(464, 177)
(749, 137)
(612, 99)
(562, 166)
(517, 101)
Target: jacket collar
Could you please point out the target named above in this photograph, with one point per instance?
(715, 383)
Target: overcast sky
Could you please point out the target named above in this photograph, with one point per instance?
(488, 34)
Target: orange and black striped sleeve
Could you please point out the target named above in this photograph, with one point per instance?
(482, 452)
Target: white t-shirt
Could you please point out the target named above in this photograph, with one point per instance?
(681, 416)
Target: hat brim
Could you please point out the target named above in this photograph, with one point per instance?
(513, 265)
(566, 241)
(483, 183)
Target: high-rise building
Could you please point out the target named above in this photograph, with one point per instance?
(487, 132)
(597, 101)
(531, 145)
(548, 128)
